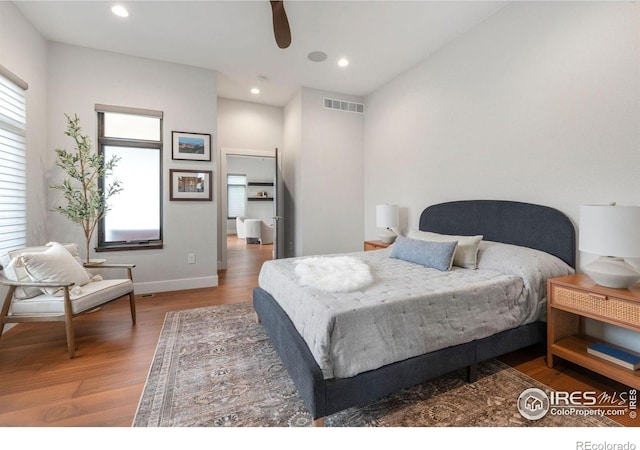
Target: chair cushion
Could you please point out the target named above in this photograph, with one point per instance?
(20, 274)
(87, 297)
(55, 264)
(252, 228)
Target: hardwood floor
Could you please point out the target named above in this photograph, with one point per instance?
(41, 387)
(567, 377)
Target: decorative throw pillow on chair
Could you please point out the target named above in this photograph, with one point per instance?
(17, 272)
(56, 264)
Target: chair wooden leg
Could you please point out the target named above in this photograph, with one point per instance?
(132, 297)
(5, 308)
(68, 324)
(71, 338)
(132, 304)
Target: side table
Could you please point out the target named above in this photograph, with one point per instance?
(374, 245)
(573, 298)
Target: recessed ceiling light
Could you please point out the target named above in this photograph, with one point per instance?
(317, 56)
(120, 11)
(255, 91)
(344, 62)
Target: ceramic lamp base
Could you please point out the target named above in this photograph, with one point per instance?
(388, 236)
(612, 272)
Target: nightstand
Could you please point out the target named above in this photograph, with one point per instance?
(374, 245)
(573, 298)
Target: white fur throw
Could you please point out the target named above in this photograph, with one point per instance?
(333, 274)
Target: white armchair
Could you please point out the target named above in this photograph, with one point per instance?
(259, 230)
(240, 228)
(50, 283)
(252, 230)
(266, 233)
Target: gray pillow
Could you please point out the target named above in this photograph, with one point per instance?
(466, 254)
(435, 255)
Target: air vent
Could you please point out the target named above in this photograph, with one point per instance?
(343, 105)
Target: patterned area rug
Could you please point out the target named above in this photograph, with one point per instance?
(216, 367)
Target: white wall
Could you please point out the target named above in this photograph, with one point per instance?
(249, 125)
(540, 103)
(24, 52)
(78, 79)
(292, 172)
(328, 174)
(322, 162)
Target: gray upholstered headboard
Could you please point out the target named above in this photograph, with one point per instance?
(535, 226)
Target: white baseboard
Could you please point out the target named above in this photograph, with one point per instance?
(175, 285)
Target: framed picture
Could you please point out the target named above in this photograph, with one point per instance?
(191, 146)
(190, 185)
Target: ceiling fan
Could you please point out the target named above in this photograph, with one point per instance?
(281, 29)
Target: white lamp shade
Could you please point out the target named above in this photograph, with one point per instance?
(386, 216)
(608, 230)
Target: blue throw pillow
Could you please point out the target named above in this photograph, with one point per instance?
(436, 255)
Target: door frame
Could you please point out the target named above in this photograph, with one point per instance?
(222, 203)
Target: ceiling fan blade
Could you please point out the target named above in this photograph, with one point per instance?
(281, 28)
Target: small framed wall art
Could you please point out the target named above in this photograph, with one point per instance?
(189, 185)
(191, 146)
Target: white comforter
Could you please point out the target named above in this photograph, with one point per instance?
(409, 310)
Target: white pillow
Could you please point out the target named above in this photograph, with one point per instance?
(466, 254)
(16, 272)
(56, 264)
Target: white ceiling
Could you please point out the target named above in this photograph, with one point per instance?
(381, 39)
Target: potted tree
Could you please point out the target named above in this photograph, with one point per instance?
(86, 199)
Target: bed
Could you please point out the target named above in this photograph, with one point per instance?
(328, 387)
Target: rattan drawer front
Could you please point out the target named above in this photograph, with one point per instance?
(601, 305)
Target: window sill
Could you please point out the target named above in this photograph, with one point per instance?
(130, 246)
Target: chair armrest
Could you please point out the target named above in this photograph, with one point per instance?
(7, 282)
(109, 266)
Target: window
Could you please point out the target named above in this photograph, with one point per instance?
(13, 166)
(134, 220)
(236, 196)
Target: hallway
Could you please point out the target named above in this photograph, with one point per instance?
(243, 262)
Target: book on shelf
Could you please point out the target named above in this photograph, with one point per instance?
(616, 355)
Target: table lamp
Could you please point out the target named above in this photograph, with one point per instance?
(613, 233)
(387, 217)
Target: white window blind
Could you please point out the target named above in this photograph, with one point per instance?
(13, 170)
(236, 196)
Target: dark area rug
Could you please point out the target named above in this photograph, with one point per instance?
(216, 367)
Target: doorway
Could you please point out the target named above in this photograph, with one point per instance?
(256, 172)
